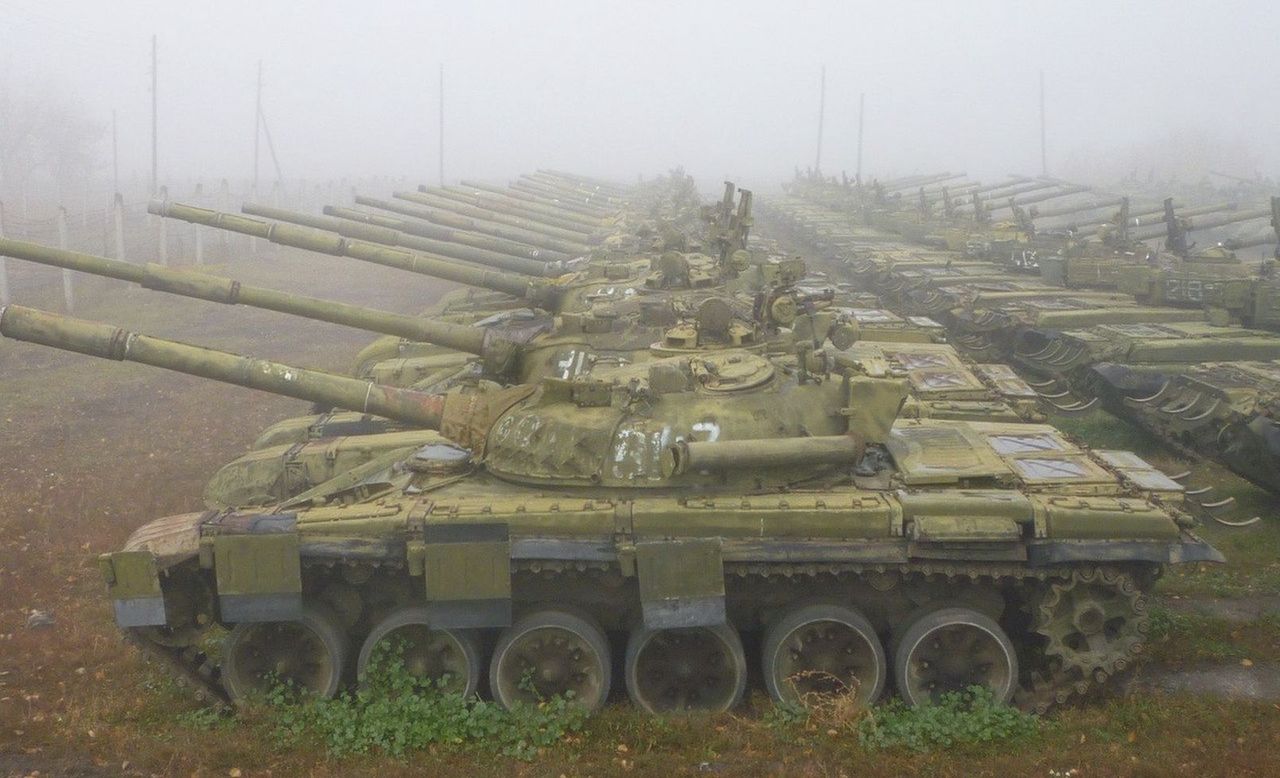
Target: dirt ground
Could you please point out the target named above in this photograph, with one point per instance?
(89, 450)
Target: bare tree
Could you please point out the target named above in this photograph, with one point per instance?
(49, 137)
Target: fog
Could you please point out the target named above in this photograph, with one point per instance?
(620, 89)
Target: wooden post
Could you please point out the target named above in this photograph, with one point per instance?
(4, 268)
(68, 279)
(117, 216)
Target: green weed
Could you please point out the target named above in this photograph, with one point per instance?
(969, 717)
(395, 713)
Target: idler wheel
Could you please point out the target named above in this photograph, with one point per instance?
(548, 653)
(308, 655)
(820, 650)
(951, 649)
(449, 659)
(697, 669)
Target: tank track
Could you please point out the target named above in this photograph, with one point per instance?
(190, 667)
(1055, 679)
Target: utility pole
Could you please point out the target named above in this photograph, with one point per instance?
(115, 156)
(154, 166)
(822, 110)
(1044, 154)
(862, 112)
(441, 166)
(257, 129)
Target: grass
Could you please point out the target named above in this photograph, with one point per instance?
(395, 713)
(1182, 639)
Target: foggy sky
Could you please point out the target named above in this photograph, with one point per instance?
(724, 88)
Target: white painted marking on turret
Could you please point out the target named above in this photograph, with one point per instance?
(710, 428)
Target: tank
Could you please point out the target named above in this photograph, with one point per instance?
(655, 516)
(1214, 279)
(624, 286)
(1226, 411)
(1165, 349)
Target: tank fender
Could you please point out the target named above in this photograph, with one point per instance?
(257, 565)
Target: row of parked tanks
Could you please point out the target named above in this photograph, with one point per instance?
(635, 442)
(1183, 341)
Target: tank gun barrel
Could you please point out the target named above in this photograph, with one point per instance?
(604, 184)
(436, 199)
(548, 214)
(108, 342)
(517, 195)
(1144, 217)
(1005, 193)
(574, 183)
(1007, 184)
(937, 195)
(557, 192)
(228, 291)
(455, 221)
(1261, 239)
(538, 291)
(915, 182)
(1219, 217)
(1042, 197)
(417, 226)
(391, 237)
(1071, 208)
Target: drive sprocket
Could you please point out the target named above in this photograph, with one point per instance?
(1094, 622)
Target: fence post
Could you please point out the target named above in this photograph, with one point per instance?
(224, 199)
(198, 233)
(4, 267)
(164, 229)
(117, 216)
(68, 278)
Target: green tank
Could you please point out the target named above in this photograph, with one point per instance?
(1226, 411)
(649, 518)
(1164, 349)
